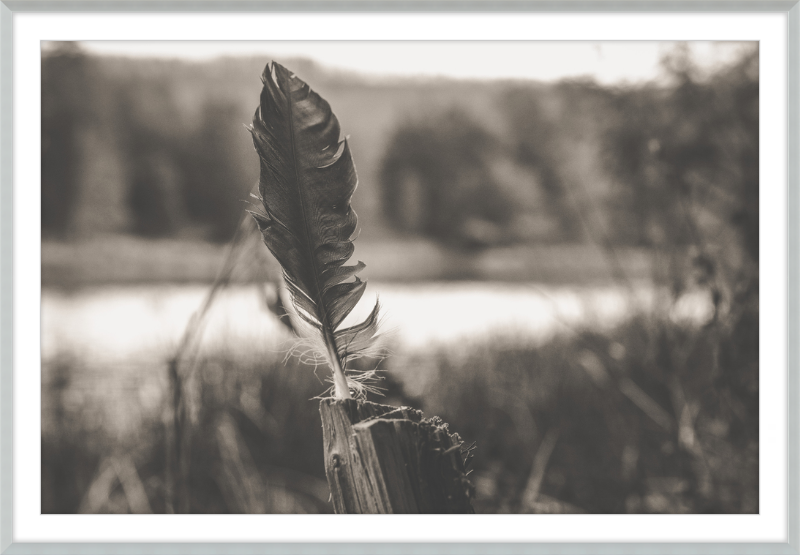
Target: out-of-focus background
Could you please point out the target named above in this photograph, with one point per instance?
(568, 264)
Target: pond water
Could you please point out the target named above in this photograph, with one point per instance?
(141, 323)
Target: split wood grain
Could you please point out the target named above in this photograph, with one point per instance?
(381, 460)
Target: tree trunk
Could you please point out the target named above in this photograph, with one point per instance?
(382, 459)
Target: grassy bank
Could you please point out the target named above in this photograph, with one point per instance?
(129, 260)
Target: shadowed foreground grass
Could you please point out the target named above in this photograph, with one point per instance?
(652, 417)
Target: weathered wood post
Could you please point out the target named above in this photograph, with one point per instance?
(383, 459)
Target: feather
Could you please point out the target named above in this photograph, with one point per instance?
(307, 180)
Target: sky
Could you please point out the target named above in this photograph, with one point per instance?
(607, 62)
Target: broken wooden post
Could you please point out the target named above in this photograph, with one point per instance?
(383, 459)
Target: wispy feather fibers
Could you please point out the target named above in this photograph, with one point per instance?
(307, 180)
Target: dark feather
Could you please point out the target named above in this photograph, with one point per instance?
(307, 180)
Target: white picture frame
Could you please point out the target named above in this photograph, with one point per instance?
(363, 534)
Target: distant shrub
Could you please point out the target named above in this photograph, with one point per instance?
(130, 122)
(543, 140)
(685, 156)
(437, 180)
(66, 106)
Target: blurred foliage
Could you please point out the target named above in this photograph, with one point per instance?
(685, 159)
(254, 443)
(437, 181)
(72, 449)
(215, 181)
(661, 165)
(653, 417)
(181, 162)
(149, 133)
(546, 132)
(65, 107)
(687, 156)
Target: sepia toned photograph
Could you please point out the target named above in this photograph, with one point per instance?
(400, 277)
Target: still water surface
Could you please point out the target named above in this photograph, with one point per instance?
(115, 324)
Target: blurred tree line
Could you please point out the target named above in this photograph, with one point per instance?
(645, 166)
(138, 149)
(157, 149)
